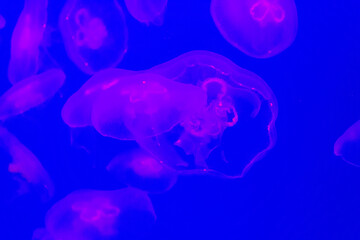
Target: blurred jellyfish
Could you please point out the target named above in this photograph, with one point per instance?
(94, 33)
(30, 93)
(239, 103)
(147, 11)
(26, 167)
(259, 28)
(139, 169)
(144, 105)
(91, 214)
(183, 112)
(348, 145)
(26, 40)
(2, 22)
(77, 109)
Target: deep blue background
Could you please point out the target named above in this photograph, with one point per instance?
(300, 190)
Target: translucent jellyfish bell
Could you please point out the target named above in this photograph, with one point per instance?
(26, 165)
(147, 11)
(239, 103)
(26, 40)
(77, 109)
(259, 28)
(30, 93)
(348, 145)
(94, 33)
(139, 169)
(93, 214)
(144, 105)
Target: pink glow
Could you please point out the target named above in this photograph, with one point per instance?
(147, 11)
(26, 39)
(138, 169)
(30, 93)
(348, 145)
(94, 214)
(94, 33)
(25, 164)
(259, 28)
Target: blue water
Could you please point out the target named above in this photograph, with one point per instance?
(300, 190)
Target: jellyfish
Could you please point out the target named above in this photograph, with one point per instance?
(26, 40)
(94, 33)
(238, 103)
(139, 169)
(258, 28)
(147, 11)
(93, 214)
(183, 113)
(25, 166)
(144, 105)
(77, 110)
(348, 145)
(30, 93)
(2, 21)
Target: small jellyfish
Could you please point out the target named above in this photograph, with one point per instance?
(92, 214)
(94, 33)
(139, 169)
(147, 11)
(259, 28)
(26, 165)
(348, 145)
(30, 93)
(239, 103)
(26, 40)
(144, 105)
(77, 109)
(2, 22)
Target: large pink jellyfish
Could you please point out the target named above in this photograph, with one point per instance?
(77, 110)
(93, 214)
(348, 145)
(94, 33)
(26, 40)
(139, 169)
(182, 110)
(259, 28)
(30, 93)
(235, 97)
(26, 165)
(147, 11)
